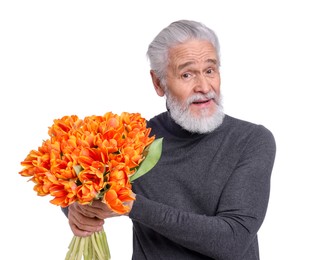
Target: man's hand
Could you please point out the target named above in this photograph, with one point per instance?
(84, 220)
(87, 219)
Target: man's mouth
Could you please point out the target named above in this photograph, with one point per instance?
(198, 102)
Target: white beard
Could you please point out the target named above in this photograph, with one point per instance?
(201, 124)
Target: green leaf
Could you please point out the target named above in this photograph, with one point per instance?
(154, 152)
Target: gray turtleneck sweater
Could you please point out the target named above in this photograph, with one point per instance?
(207, 196)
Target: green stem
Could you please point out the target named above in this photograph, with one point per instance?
(86, 252)
(73, 248)
(80, 250)
(106, 245)
(96, 247)
(71, 245)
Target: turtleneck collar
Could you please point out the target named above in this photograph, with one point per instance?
(175, 129)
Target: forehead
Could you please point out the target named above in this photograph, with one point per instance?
(192, 52)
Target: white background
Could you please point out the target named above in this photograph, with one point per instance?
(88, 57)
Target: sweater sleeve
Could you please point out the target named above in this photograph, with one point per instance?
(241, 210)
(65, 210)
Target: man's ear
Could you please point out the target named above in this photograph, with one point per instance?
(157, 84)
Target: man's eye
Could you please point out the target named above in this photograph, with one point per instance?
(186, 75)
(210, 72)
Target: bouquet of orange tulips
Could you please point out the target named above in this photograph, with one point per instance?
(97, 157)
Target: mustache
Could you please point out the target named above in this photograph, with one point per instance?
(199, 96)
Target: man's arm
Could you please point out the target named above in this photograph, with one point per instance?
(240, 213)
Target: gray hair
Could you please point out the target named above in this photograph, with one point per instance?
(176, 33)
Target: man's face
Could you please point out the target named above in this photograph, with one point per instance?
(192, 70)
(193, 86)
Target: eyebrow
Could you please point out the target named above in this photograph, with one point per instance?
(182, 66)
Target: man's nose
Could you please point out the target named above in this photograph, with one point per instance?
(202, 84)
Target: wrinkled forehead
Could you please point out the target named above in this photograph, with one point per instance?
(193, 52)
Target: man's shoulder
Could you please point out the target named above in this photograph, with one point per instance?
(158, 120)
(242, 124)
(234, 121)
(159, 116)
(247, 129)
